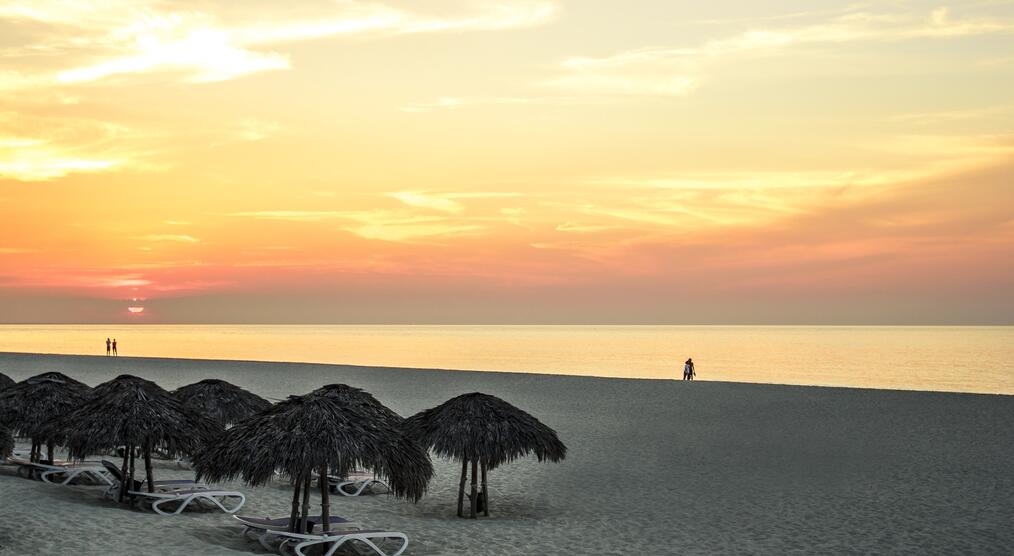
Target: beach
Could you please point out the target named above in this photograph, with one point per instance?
(653, 467)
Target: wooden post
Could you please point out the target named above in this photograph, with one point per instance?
(34, 456)
(306, 501)
(485, 491)
(461, 486)
(123, 472)
(132, 484)
(325, 500)
(49, 451)
(475, 487)
(148, 475)
(294, 516)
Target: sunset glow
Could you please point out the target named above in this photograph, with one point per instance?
(534, 161)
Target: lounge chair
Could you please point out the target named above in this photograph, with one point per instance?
(159, 486)
(50, 471)
(262, 526)
(300, 542)
(355, 483)
(183, 498)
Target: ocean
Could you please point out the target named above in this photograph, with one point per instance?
(940, 358)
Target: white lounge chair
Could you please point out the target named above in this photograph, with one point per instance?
(183, 498)
(159, 486)
(261, 527)
(49, 472)
(94, 473)
(355, 483)
(300, 542)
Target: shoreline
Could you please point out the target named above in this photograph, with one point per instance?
(28, 355)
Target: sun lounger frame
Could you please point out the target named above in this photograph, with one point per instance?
(336, 539)
(187, 497)
(262, 527)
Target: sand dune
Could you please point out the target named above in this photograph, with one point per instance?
(654, 467)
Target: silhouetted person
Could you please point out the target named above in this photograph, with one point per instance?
(108, 344)
(114, 347)
(688, 368)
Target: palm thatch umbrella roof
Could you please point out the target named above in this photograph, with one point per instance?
(5, 381)
(485, 431)
(27, 407)
(136, 413)
(333, 430)
(220, 400)
(132, 411)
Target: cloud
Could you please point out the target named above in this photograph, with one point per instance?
(122, 38)
(394, 226)
(35, 148)
(446, 202)
(678, 71)
(423, 200)
(179, 238)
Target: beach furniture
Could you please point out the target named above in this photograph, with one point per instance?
(61, 472)
(259, 527)
(355, 483)
(162, 486)
(300, 542)
(162, 502)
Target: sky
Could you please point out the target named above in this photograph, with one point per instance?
(537, 161)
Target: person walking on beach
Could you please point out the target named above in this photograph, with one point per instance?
(114, 347)
(108, 344)
(688, 369)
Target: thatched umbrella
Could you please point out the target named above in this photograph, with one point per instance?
(5, 381)
(28, 406)
(334, 429)
(220, 400)
(136, 413)
(485, 431)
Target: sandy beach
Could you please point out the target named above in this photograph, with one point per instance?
(654, 467)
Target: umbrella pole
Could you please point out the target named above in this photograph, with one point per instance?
(461, 486)
(325, 500)
(294, 516)
(49, 450)
(485, 492)
(306, 501)
(148, 475)
(475, 487)
(132, 483)
(123, 472)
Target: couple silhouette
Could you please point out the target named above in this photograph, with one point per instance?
(111, 346)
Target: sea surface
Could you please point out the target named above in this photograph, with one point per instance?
(957, 359)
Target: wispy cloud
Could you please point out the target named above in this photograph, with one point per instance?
(205, 46)
(446, 202)
(179, 238)
(377, 224)
(678, 71)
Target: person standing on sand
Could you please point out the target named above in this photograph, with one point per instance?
(114, 347)
(688, 369)
(108, 343)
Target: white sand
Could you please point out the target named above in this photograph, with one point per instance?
(655, 467)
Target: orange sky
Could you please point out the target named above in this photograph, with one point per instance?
(524, 162)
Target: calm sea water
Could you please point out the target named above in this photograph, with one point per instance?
(960, 359)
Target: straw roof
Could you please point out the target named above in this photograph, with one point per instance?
(338, 426)
(27, 406)
(219, 400)
(5, 381)
(132, 411)
(480, 427)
